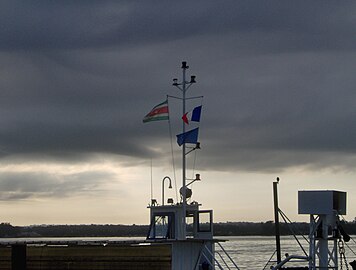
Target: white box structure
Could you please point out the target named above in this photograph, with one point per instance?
(321, 202)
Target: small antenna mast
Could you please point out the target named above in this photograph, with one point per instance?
(151, 181)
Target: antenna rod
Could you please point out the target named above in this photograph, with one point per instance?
(151, 181)
(276, 220)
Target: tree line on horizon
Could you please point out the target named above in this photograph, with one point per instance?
(110, 230)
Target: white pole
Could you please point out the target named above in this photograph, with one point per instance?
(323, 244)
(184, 87)
(312, 243)
(184, 208)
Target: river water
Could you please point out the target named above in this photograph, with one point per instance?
(253, 252)
(249, 252)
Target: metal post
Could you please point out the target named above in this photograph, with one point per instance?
(312, 230)
(18, 257)
(170, 186)
(323, 243)
(184, 67)
(276, 221)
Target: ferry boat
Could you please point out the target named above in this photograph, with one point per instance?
(172, 243)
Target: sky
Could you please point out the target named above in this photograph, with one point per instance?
(77, 78)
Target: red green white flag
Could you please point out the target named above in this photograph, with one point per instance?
(159, 112)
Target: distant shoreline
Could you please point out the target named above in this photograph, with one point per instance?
(110, 230)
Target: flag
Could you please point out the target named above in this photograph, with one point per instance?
(190, 136)
(159, 112)
(192, 115)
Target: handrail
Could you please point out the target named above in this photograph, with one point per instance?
(223, 260)
(211, 263)
(212, 255)
(206, 251)
(278, 266)
(227, 254)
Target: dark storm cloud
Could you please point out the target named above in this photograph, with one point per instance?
(77, 77)
(295, 110)
(87, 24)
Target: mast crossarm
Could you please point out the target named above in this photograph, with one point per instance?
(174, 97)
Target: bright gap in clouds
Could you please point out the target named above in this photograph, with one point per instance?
(112, 191)
(101, 191)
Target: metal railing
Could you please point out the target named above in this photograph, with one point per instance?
(224, 258)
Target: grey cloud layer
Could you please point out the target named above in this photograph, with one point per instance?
(20, 186)
(76, 78)
(89, 24)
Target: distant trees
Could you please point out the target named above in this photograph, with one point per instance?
(261, 228)
(93, 230)
(7, 230)
(111, 230)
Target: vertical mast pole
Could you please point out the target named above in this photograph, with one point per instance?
(276, 220)
(184, 67)
(183, 86)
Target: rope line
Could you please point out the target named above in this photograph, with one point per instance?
(285, 218)
(195, 152)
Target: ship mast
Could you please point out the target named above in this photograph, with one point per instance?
(184, 86)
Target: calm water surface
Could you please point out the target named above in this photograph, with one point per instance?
(249, 252)
(253, 252)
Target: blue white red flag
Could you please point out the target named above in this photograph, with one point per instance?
(193, 115)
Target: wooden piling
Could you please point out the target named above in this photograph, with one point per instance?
(18, 257)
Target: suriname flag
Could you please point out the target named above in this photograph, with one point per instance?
(159, 112)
